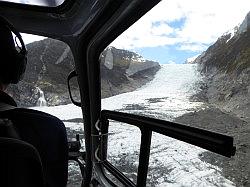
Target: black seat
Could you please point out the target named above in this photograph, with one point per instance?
(20, 164)
(47, 135)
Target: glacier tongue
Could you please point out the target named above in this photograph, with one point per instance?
(173, 84)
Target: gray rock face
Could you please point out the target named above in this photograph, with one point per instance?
(135, 67)
(226, 66)
(245, 24)
(124, 71)
(50, 61)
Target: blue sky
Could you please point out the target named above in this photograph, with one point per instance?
(165, 54)
(168, 53)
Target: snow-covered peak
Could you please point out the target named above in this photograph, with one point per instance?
(191, 59)
(231, 32)
(138, 58)
(109, 48)
(240, 28)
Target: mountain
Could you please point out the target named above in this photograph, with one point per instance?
(191, 60)
(124, 71)
(226, 64)
(226, 69)
(50, 61)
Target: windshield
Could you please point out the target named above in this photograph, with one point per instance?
(186, 62)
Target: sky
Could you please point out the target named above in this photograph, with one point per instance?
(175, 30)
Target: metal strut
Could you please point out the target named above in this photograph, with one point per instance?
(101, 138)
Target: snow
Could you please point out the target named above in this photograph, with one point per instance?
(63, 112)
(191, 59)
(168, 85)
(138, 58)
(232, 33)
(172, 163)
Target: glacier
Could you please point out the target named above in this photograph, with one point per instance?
(172, 163)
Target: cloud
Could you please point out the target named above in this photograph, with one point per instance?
(161, 30)
(203, 22)
(195, 47)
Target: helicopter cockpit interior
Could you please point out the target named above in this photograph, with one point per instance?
(84, 28)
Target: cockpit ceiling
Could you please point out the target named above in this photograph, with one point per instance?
(44, 3)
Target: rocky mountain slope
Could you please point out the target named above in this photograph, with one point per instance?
(226, 65)
(50, 61)
(226, 89)
(124, 71)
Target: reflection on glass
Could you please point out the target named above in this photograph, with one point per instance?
(74, 89)
(108, 61)
(47, 3)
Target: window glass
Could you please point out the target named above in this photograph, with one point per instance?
(123, 149)
(47, 3)
(187, 62)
